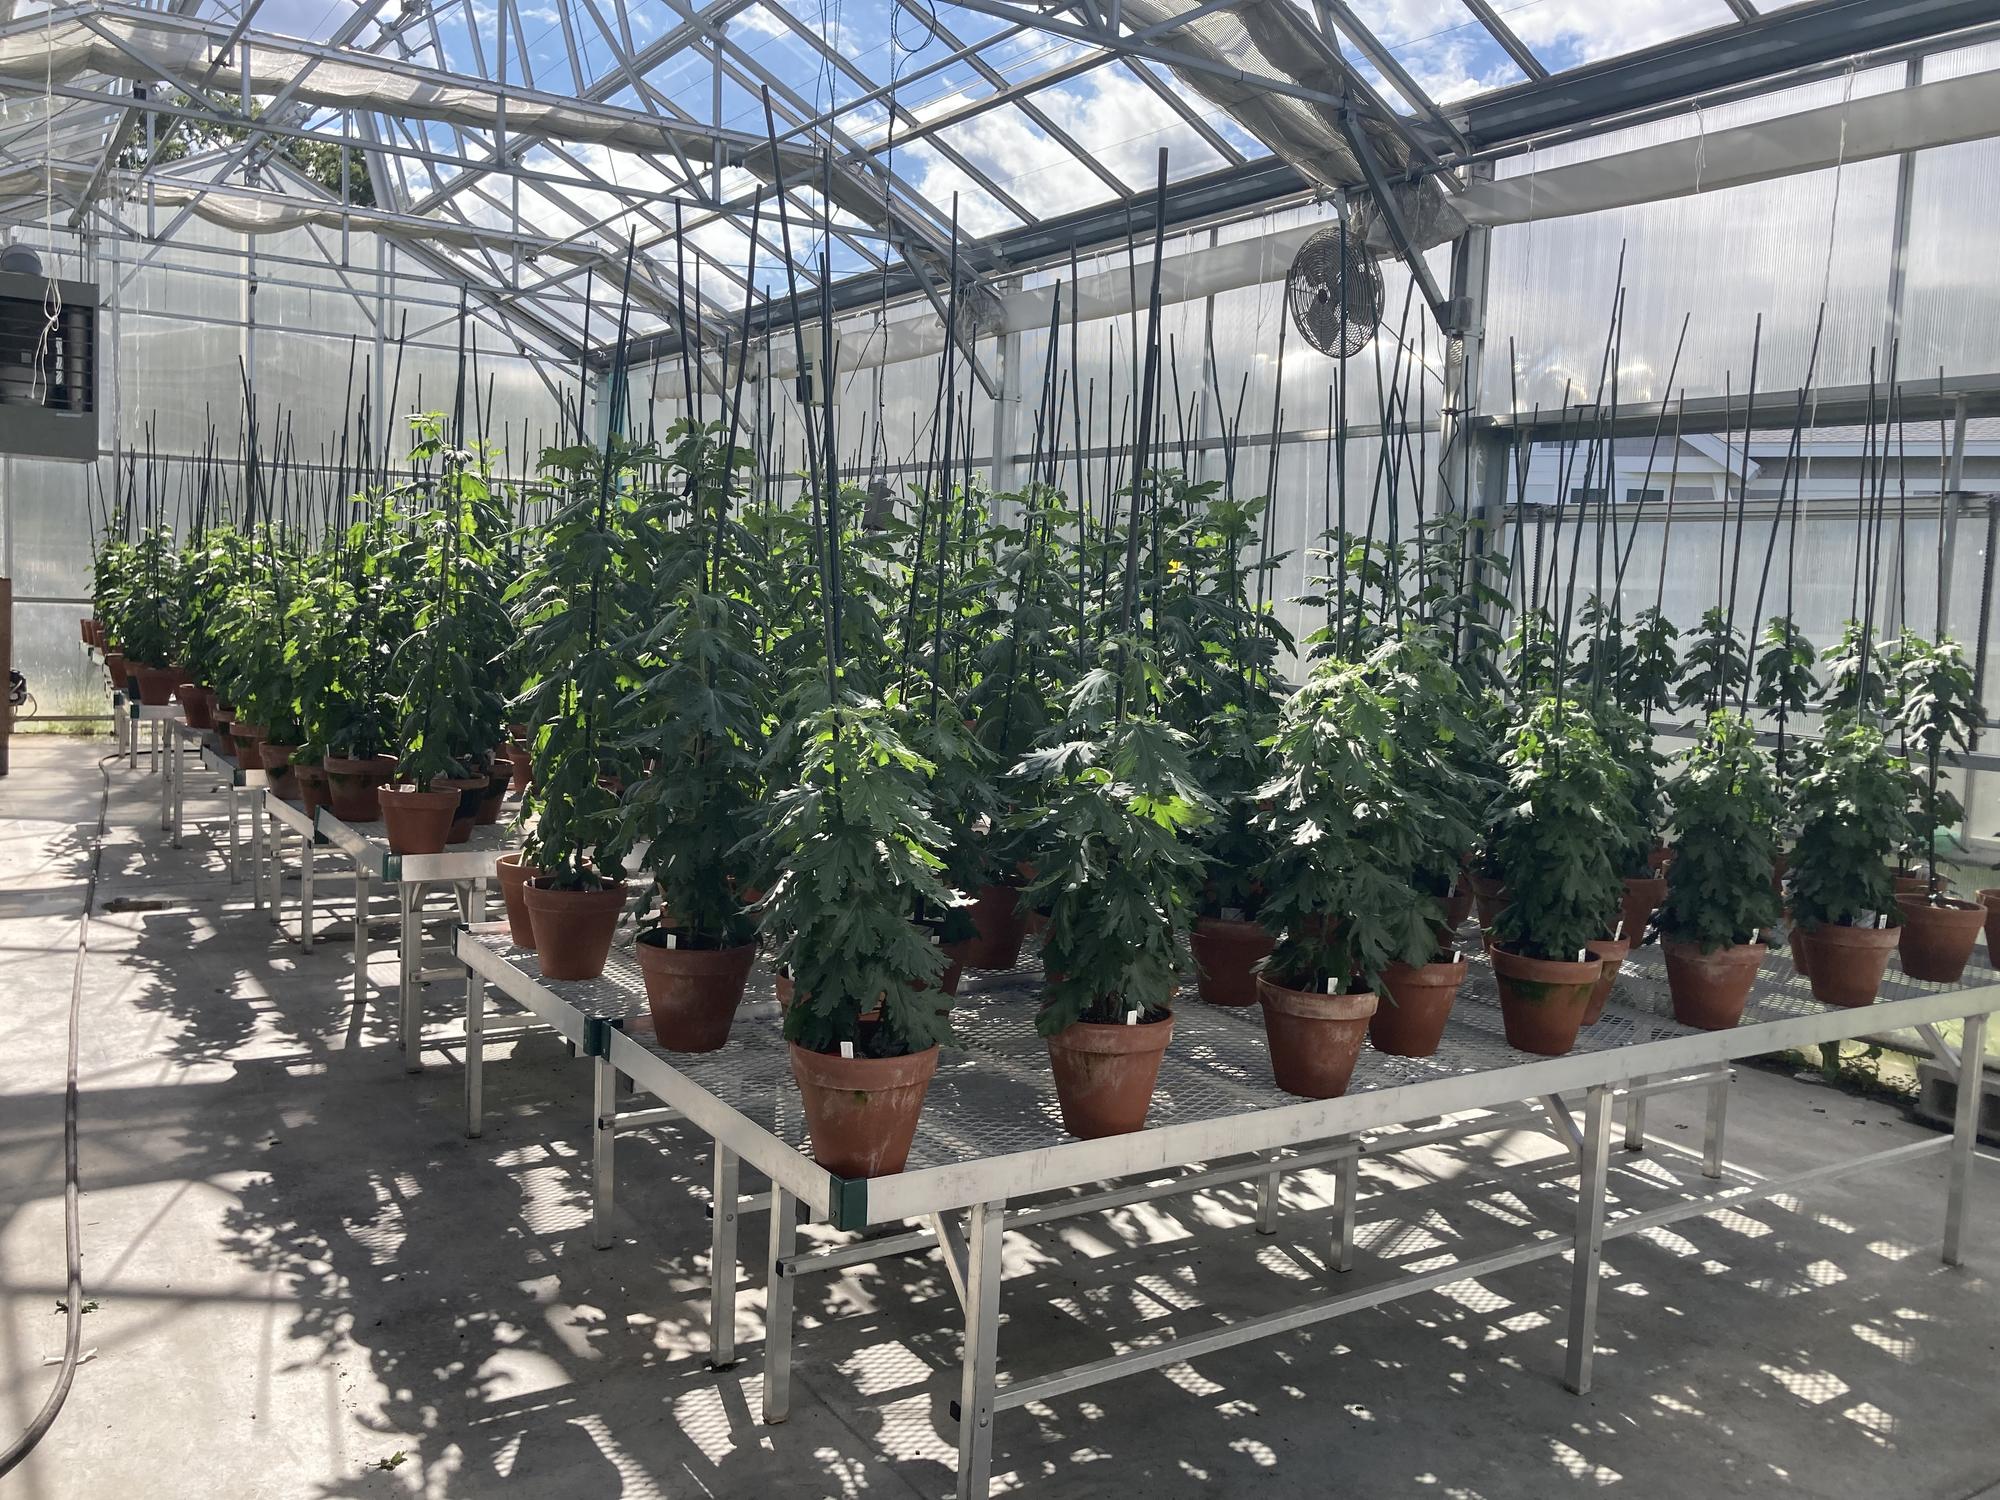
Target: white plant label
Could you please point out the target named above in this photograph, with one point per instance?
(847, 1049)
(672, 941)
(1131, 1018)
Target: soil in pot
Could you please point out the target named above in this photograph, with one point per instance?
(692, 992)
(1410, 1021)
(1936, 939)
(1990, 899)
(1225, 955)
(351, 785)
(1710, 989)
(197, 705)
(862, 1111)
(470, 790)
(513, 877)
(1845, 964)
(1543, 1000)
(574, 929)
(312, 788)
(1000, 927)
(415, 821)
(1105, 1074)
(1610, 955)
(1314, 1038)
(1644, 895)
(277, 763)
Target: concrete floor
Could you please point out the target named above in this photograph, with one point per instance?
(304, 1272)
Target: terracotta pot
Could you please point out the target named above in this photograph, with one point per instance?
(574, 929)
(497, 781)
(247, 737)
(862, 1111)
(1781, 863)
(783, 988)
(514, 876)
(277, 763)
(1846, 963)
(416, 821)
(115, 668)
(1225, 953)
(1610, 955)
(1314, 1039)
(157, 684)
(1990, 899)
(1458, 905)
(1105, 1074)
(1912, 885)
(1935, 941)
(197, 706)
(1489, 896)
(693, 992)
(312, 788)
(1795, 944)
(1644, 895)
(523, 764)
(1710, 989)
(224, 736)
(996, 913)
(469, 790)
(351, 786)
(1411, 1022)
(1543, 1000)
(1658, 858)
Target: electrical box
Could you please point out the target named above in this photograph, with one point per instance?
(48, 367)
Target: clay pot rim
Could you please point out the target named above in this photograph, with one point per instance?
(1236, 927)
(1521, 966)
(1316, 1005)
(513, 859)
(1917, 901)
(350, 765)
(416, 796)
(1433, 972)
(540, 883)
(643, 946)
(1115, 1037)
(917, 1065)
(1850, 935)
(1683, 948)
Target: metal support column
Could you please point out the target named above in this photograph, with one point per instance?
(1584, 1272)
(603, 1163)
(722, 1226)
(979, 1375)
(778, 1306)
(1964, 1135)
(1718, 1114)
(1350, 1192)
(306, 870)
(360, 937)
(410, 988)
(1635, 1118)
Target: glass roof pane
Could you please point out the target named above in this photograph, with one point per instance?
(1569, 33)
(1439, 43)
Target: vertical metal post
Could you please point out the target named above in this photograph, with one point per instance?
(979, 1374)
(722, 1261)
(307, 869)
(1718, 1114)
(1635, 1119)
(360, 935)
(256, 799)
(1267, 1202)
(1350, 1188)
(409, 992)
(1590, 1195)
(1964, 1135)
(234, 873)
(1007, 412)
(778, 1307)
(603, 1140)
(475, 1021)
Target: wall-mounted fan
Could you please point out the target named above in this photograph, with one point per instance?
(1335, 292)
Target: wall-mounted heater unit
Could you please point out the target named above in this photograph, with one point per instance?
(48, 363)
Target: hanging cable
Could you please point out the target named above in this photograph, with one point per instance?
(72, 1192)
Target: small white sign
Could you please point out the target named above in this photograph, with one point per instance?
(847, 1049)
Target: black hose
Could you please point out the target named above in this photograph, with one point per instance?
(72, 1231)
